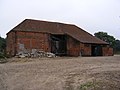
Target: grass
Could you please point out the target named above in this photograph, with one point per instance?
(89, 85)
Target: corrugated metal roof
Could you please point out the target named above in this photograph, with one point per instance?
(58, 28)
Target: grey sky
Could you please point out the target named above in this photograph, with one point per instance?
(91, 15)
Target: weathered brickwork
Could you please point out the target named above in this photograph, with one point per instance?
(33, 40)
(27, 40)
(11, 43)
(85, 49)
(107, 51)
(73, 48)
(31, 35)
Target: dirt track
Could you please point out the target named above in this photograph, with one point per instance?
(67, 73)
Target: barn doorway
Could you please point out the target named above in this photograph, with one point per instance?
(96, 50)
(59, 45)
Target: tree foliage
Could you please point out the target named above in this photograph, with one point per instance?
(2, 44)
(107, 38)
(110, 39)
(117, 46)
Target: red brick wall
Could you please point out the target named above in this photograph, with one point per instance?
(33, 40)
(30, 40)
(107, 51)
(110, 52)
(85, 49)
(73, 48)
(41, 41)
(11, 44)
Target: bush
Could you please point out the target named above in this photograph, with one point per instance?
(3, 58)
(2, 55)
(117, 52)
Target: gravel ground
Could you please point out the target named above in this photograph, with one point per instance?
(61, 73)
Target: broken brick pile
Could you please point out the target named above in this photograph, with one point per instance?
(35, 54)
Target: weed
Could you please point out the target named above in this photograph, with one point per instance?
(89, 85)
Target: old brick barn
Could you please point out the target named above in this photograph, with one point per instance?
(58, 38)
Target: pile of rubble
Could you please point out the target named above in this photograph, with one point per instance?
(35, 54)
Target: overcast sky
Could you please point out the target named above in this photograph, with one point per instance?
(91, 15)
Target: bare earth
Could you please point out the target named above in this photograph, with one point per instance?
(61, 73)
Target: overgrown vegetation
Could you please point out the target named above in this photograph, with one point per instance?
(2, 50)
(2, 44)
(117, 46)
(89, 85)
(114, 43)
(3, 58)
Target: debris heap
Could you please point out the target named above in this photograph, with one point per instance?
(35, 54)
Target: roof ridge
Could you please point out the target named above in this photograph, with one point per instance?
(49, 21)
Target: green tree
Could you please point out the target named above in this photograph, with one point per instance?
(107, 38)
(2, 44)
(117, 46)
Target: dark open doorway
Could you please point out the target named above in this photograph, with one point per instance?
(58, 45)
(96, 50)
